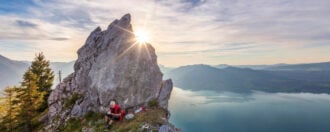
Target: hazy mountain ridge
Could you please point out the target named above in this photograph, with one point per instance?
(320, 66)
(66, 68)
(277, 78)
(205, 77)
(165, 69)
(11, 71)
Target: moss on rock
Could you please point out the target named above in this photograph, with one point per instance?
(69, 102)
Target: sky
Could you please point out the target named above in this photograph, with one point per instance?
(183, 32)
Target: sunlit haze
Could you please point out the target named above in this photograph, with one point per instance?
(142, 36)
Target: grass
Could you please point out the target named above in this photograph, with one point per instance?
(91, 120)
(151, 116)
(95, 121)
(153, 103)
(35, 121)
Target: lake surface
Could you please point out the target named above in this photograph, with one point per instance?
(209, 111)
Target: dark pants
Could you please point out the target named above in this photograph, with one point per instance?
(111, 117)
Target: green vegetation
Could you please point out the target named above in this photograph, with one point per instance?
(25, 104)
(23, 107)
(69, 102)
(152, 116)
(8, 113)
(92, 121)
(153, 103)
(95, 121)
(35, 120)
(44, 78)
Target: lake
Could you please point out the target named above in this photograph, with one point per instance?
(207, 111)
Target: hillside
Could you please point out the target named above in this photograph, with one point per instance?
(204, 77)
(147, 120)
(11, 71)
(322, 66)
(232, 78)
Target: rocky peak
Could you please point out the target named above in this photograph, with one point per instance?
(110, 65)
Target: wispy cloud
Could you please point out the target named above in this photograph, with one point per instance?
(23, 24)
(212, 31)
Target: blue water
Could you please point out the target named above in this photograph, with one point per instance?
(209, 111)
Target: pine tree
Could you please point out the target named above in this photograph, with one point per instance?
(3, 110)
(9, 121)
(24, 103)
(44, 76)
(30, 99)
(9, 101)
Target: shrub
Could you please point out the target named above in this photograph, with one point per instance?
(68, 102)
(153, 103)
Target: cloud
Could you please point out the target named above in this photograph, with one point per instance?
(232, 48)
(22, 23)
(209, 30)
(59, 38)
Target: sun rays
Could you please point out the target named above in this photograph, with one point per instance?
(142, 36)
(140, 41)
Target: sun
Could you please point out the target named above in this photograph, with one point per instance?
(142, 36)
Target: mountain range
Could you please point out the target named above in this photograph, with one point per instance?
(11, 71)
(242, 80)
(309, 77)
(321, 66)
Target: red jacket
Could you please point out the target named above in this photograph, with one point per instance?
(115, 109)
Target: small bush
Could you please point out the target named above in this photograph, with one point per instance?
(153, 103)
(68, 102)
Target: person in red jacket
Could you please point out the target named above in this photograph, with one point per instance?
(113, 114)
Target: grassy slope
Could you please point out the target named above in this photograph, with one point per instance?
(95, 122)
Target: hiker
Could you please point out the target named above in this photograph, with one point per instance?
(113, 114)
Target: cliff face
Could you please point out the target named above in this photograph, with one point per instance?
(111, 65)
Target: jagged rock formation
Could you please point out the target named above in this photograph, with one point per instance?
(111, 65)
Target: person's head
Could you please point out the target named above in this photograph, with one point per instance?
(112, 103)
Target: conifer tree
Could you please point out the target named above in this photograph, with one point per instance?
(3, 110)
(10, 104)
(30, 99)
(24, 103)
(44, 76)
(8, 119)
